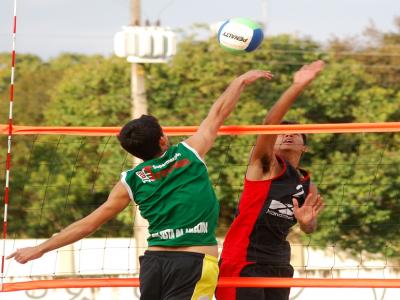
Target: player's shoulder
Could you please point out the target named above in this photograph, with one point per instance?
(187, 148)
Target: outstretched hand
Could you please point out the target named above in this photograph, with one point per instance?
(308, 213)
(251, 76)
(24, 255)
(308, 73)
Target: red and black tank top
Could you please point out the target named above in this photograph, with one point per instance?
(264, 218)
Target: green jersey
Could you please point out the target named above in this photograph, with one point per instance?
(175, 195)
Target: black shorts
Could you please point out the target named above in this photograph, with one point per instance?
(177, 275)
(228, 269)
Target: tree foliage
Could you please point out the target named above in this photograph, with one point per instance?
(59, 179)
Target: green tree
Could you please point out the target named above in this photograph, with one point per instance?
(66, 177)
(34, 81)
(75, 174)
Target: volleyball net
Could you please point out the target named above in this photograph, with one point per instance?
(60, 174)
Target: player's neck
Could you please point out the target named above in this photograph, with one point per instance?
(292, 157)
(163, 151)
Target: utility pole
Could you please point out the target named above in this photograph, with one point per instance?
(135, 13)
(138, 108)
(140, 45)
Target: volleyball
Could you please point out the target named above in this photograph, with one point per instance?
(240, 35)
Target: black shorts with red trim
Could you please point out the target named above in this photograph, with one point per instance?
(251, 269)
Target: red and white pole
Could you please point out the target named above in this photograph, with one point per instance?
(8, 159)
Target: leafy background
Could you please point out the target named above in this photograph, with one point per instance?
(58, 179)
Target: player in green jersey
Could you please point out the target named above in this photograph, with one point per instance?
(173, 192)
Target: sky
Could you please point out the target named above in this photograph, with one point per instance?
(50, 27)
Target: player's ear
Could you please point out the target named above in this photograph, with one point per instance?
(164, 143)
(305, 148)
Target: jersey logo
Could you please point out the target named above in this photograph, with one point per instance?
(300, 191)
(285, 210)
(282, 210)
(145, 175)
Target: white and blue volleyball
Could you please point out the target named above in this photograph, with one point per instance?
(240, 35)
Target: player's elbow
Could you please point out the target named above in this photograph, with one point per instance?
(86, 228)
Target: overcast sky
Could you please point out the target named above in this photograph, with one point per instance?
(49, 27)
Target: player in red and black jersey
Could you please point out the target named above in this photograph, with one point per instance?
(277, 194)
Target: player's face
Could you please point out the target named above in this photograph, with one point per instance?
(290, 142)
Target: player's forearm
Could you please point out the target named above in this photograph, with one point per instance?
(69, 235)
(225, 104)
(281, 107)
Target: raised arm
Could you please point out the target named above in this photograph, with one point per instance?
(263, 150)
(116, 202)
(205, 136)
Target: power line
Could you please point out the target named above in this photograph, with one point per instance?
(66, 37)
(272, 50)
(169, 3)
(342, 53)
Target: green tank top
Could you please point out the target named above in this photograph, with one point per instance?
(175, 195)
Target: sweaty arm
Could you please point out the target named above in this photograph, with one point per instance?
(262, 158)
(116, 202)
(206, 134)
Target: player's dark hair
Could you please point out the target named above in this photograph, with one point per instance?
(293, 123)
(141, 137)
